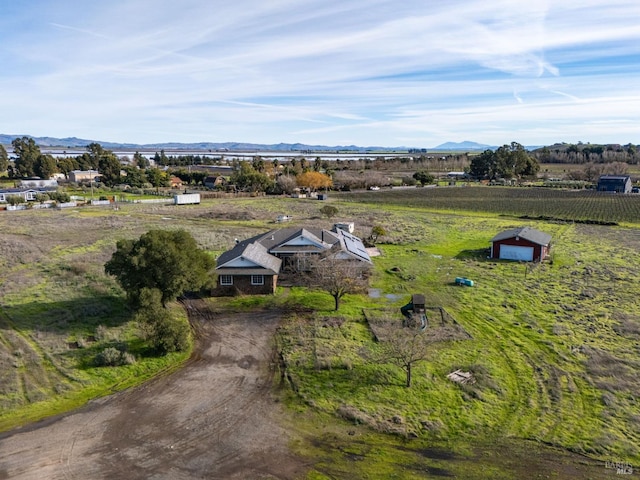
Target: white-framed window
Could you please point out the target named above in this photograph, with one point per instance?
(257, 279)
(226, 279)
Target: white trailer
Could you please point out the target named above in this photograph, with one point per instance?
(186, 199)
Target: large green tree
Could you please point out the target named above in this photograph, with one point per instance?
(134, 177)
(27, 153)
(105, 161)
(248, 178)
(4, 159)
(508, 161)
(423, 177)
(480, 165)
(66, 165)
(167, 260)
(157, 178)
(45, 166)
(140, 160)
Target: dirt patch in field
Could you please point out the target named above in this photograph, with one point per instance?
(230, 215)
(215, 418)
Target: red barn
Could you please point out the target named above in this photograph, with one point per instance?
(524, 244)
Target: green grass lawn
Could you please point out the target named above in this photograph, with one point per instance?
(554, 345)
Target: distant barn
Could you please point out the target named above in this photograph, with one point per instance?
(614, 183)
(524, 244)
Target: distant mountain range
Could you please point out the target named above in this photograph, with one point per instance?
(466, 145)
(74, 142)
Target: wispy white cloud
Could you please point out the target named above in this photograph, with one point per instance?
(367, 72)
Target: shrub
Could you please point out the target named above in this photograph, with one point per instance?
(168, 335)
(109, 357)
(164, 333)
(102, 333)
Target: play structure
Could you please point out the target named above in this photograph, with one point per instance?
(415, 312)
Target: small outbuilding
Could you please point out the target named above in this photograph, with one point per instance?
(523, 244)
(615, 183)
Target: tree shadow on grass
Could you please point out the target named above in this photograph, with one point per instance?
(77, 317)
(475, 254)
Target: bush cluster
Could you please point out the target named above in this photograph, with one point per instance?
(112, 357)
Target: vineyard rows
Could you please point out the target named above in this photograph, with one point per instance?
(571, 205)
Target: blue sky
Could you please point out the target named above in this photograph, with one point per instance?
(389, 73)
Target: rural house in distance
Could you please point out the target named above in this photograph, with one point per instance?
(614, 183)
(253, 265)
(27, 194)
(524, 244)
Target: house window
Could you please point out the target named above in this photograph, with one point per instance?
(257, 279)
(226, 279)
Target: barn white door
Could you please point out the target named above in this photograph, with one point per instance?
(512, 252)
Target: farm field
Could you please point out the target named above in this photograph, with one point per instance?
(553, 348)
(558, 204)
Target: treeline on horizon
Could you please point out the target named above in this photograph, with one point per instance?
(582, 153)
(31, 162)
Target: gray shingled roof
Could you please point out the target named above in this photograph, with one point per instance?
(323, 238)
(254, 252)
(260, 248)
(236, 251)
(528, 233)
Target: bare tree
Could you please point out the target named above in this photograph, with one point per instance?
(286, 183)
(406, 346)
(338, 276)
(592, 171)
(617, 168)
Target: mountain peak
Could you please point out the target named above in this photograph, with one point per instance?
(466, 145)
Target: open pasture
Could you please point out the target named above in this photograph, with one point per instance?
(553, 348)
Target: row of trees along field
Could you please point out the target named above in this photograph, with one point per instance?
(587, 153)
(31, 162)
(276, 176)
(257, 175)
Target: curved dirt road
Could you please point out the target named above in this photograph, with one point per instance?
(214, 418)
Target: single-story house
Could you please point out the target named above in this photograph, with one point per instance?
(215, 181)
(614, 183)
(252, 266)
(524, 244)
(175, 182)
(28, 194)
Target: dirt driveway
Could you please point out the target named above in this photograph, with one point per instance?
(215, 418)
